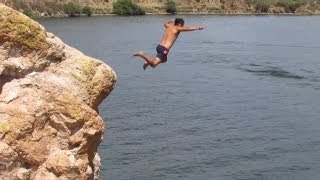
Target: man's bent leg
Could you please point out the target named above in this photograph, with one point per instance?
(152, 61)
(146, 64)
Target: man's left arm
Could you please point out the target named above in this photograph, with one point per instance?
(191, 28)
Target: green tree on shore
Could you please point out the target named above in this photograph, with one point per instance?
(72, 9)
(262, 5)
(87, 10)
(171, 7)
(127, 7)
(28, 11)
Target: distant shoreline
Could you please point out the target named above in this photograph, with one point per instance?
(233, 14)
(68, 8)
(190, 13)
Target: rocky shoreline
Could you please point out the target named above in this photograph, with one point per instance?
(199, 13)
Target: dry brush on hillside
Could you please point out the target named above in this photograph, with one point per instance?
(57, 7)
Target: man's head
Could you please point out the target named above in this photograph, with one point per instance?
(179, 22)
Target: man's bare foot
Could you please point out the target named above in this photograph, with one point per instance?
(145, 65)
(138, 53)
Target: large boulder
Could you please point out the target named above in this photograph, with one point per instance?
(49, 92)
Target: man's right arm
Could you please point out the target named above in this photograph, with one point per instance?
(168, 23)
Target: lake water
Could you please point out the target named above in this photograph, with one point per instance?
(238, 100)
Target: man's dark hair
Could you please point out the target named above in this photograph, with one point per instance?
(179, 21)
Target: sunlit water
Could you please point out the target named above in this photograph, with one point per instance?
(239, 100)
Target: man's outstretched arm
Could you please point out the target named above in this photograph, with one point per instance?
(191, 28)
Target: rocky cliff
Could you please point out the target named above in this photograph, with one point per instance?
(49, 93)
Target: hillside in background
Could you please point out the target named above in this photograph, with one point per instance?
(57, 7)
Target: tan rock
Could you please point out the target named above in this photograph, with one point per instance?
(276, 10)
(304, 10)
(8, 157)
(49, 93)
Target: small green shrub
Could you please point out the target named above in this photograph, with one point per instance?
(262, 5)
(126, 7)
(72, 9)
(171, 7)
(28, 11)
(87, 10)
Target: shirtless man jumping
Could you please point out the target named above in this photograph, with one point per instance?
(171, 34)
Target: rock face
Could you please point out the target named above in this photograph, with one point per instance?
(49, 93)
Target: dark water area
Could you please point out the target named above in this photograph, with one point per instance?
(239, 100)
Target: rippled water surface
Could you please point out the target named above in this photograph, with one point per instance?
(239, 100)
